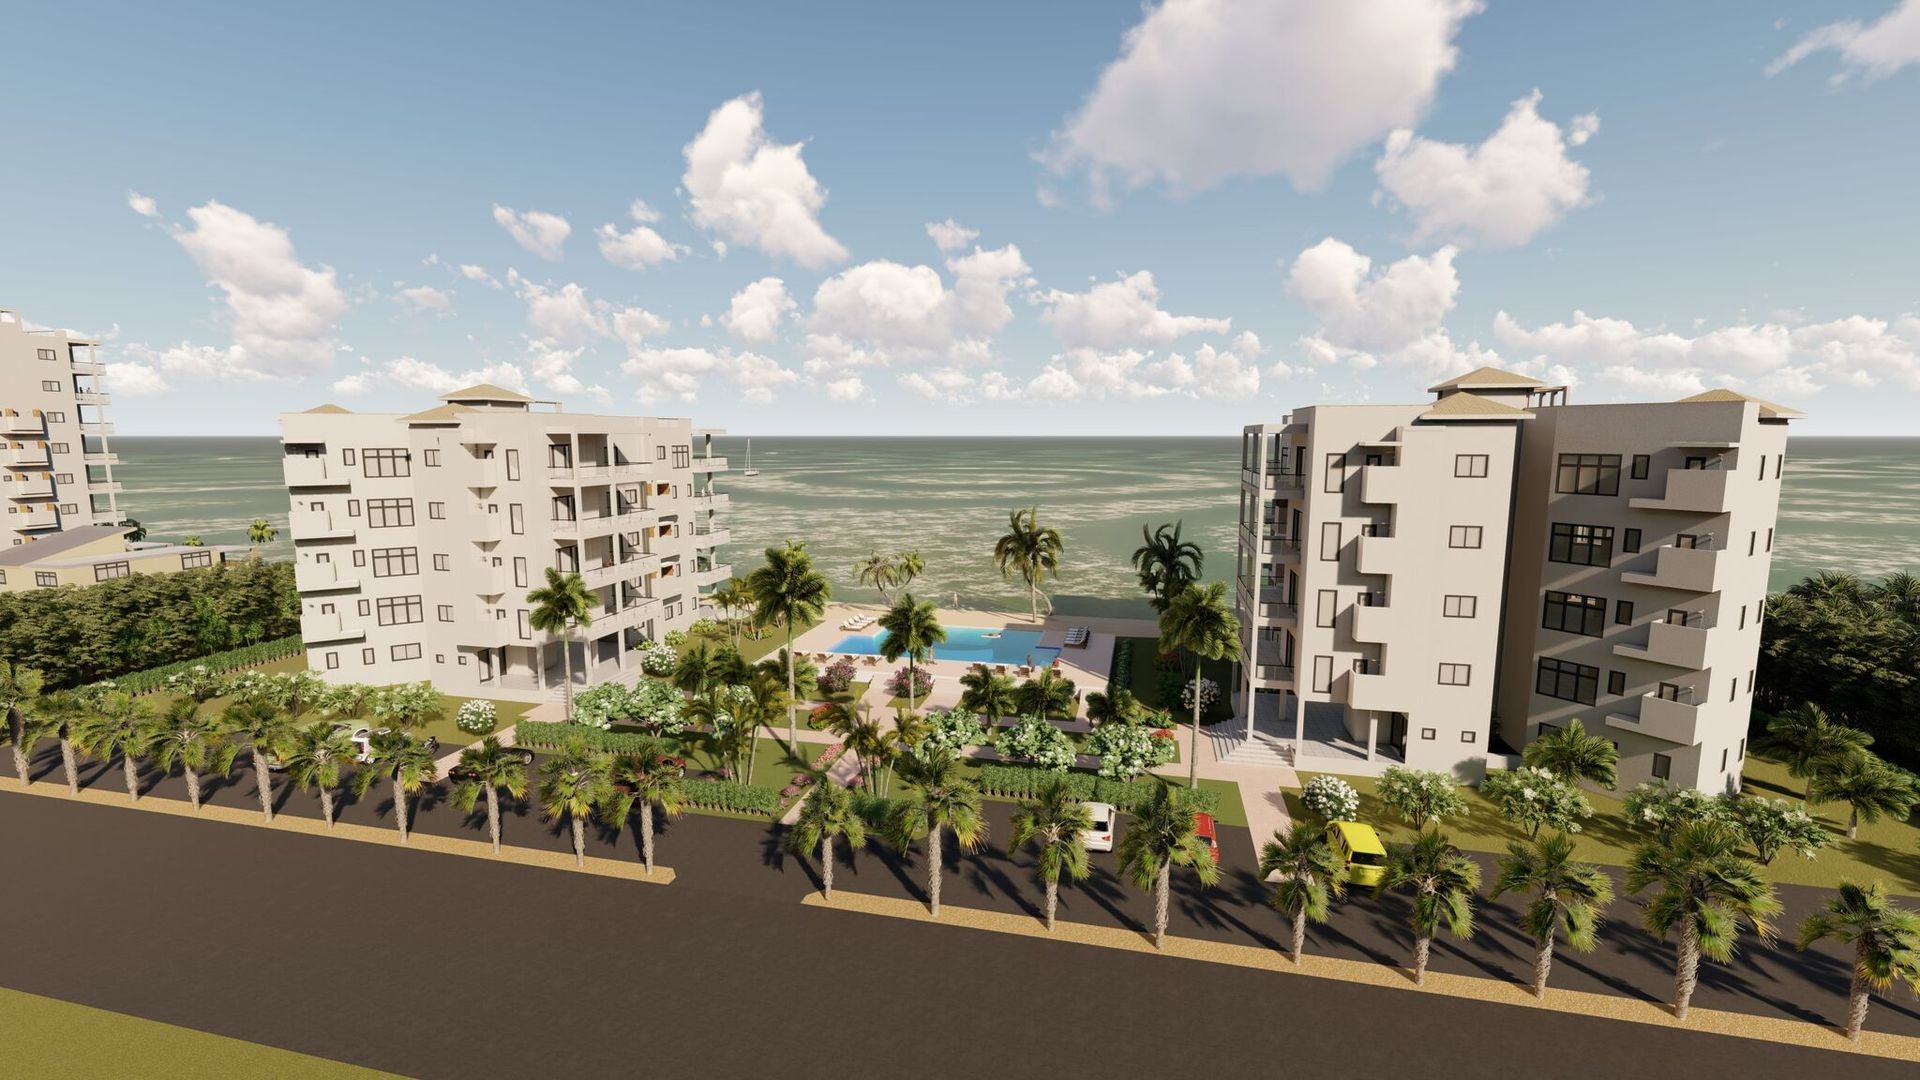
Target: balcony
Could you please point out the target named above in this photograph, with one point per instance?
(712, 575)
(23, 457)
(1373, 621)
(96, 428)
(583, 525)
(1672, 644)
(14, 423)
(1377, 553)
(322, 577)
(1386, 485)
(709, 464)
(304, 470)
(1696, 491)
(91, 397)
(321, 628)
(1286, 547)
(88, 367)
(318, 525)
(1694, 570)
(33, 487)
(711, 538)
(100, 458)
(104, 487)
(35, 517)
(599, 577)
(715, 501)
(1371, 692)
(1675, 721)
(1273, 674)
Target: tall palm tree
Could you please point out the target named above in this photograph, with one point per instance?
(265, 729)
(1443, 883)
(649, 775)
(1708, 887)
(577, 784)
(1200, 621)
(117, 726)
(731, 735)
(1056, 824)
(59, 714)
(909, 730)
(877, 571)
(1573, 755)
(261, 531)
(317, 756)
(806, 674)
(1885, 939)
(489, 768)
(408, 764)
(1166, 564)
(1811, 743)
(1899, 593)
(182, 736)
(990, 695)
(1161, 837)
(729, 597)
(1031, 550)
(694, 671)
(1311, 877)
(912, 631)
(941, 801)
(1568, 897)
(826, 815)
(1048, 694)
(19, 687)
(563, 603)
(908, 566)
(789, 589)
(868, 741)
(765, 698)
(1869, 786)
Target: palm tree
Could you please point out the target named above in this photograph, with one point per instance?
(407, 763)
(136, 532)
(577, 783)
(806, 674)
(868, 741)
(563, 603)
(1048, 694)
(826, 814)
(261, 531)
(909, 729)
(649, 775)
(182, 736)
(941, 801)
(316, 755)
(730, 734)
(489, 768)
(1311, 877)
(1811, 743)
(19, 687)
(192, 540)
(789, 589)
(988, 694)
(1032, 551)
(59, 714)
(912, 631)
(1161, 837)
(1568, 897)
(1573, 755)
(265, 729)
(1116, 706)
(878, 571)
(1885, 939)
(1199, 620)
(729, 598)
(909, 566)
(695, 670)
(1443, 883)
(1055, 823)
(1868, 785)
(1707, 888)
(1166, 564)
(765, 698)
(117, 726)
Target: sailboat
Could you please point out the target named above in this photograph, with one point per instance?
(750, 470)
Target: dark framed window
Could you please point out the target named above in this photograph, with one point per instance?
(1588, 474)
(1581, 545)
(359, 557)
(432, 458)
(1463, 536)
(1470, 466)
(446, 612)
(409, 651)
(1469, 736)
(1329, 540)
(366, 608)
(396, 561)
(367, 655)
(1459, 607)
(346, 455)
(109, 570)
(1336, 478)
(333, 661)
(1574, 613)
(1630, 541)
(1567, 681)
(46, 579)
(1456, 674)
(516, 518)
(46, 354)
(437, 511)
(1623, 612)
(441, 562)
(399, 610)
(353, 507)
(381, 463)
(1641, 463)
(1662, 766)
(1616, 682)
(513, 464)
(196, 558)
(389, 513)
(682, 457)
(1326, 606)
(1322, 674)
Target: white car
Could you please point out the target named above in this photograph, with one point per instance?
(1100, 837)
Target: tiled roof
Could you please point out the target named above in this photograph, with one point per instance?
(1465, 406)
(1486, 378)
(54, 543)
(440, 413)
(485, 392)
(1767, 408)
(329, 409)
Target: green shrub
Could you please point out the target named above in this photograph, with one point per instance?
(1122, 674)
(540, 733)
(731, 795)
(1024, 782)
(145, 682)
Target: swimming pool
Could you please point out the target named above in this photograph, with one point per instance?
(968, 645)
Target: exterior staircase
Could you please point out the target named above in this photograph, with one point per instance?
(1264, 749)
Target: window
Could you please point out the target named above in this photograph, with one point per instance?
(108, 570)
(1472, 466)
(47, 354)
(396, 561)
(1723, 750)
(1336, 478)
(51, 386)
(1573, 613)
(1743, 617)
(1463, 536)
(513, 464)
(437, 511)
(389, 513)
(445, 611)
(1329, 540)
(58, 448)
(1328, 600)
(1640, 464)
(1616, 682)
(1427, 733)
(55, 416)
(406, 652)
(432, 458)
(516, 518)
(359, 557)
(682, 457)
(3, 577)
(1693, 540)
(367, 655)
(1567, 681)
(441, 562)
(64, 478)
(333, 661)
(1322, 674)
(386, 463)
(1630, 540)
(399, 610)
(526, 631)
(46, 579)
(1662, 767)
(1469, 736)
(1777, 463)
(520, 571)
(1589, 474)
(366, 608)
(353, 507)
(1753, 543)
(196, 558)
(346, 455)
(1581, 545)
(660, 453)
(1455, 674)
(1769, 539)
(1623, 612)
(1459, 607)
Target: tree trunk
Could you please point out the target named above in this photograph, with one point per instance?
(1053, 899)
(826, 864)
(933, 869)
(566, 672)
(69, 764)
(128, 766)
(400, 808)
(326, 806)
(579, 841)
(1193, 746)
(1422, 945)
(1299, 934)
(792, 735)
(1161, 890)
(1686, 972)
(193, 787)
(1542, 964)
(493, 817)
(263, 779)
(1853, 824)
(910, 682)
(646, 833)
(1033, 600)
(1857, 1005)
(16, 731)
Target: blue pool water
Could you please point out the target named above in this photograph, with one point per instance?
(967, 644)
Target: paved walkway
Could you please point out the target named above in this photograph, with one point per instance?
(1260, 786)
(842, 771)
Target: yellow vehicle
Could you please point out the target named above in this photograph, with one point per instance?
(1360, 848)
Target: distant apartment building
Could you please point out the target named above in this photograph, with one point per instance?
(92, 554)
(417, 538)
(56, 470)
(1438, 584)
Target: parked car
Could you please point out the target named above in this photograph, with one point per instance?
(1100, 837)
(1204, 829)
(1358, 846)
(461, 774)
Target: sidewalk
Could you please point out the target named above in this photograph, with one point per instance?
(1260, 786)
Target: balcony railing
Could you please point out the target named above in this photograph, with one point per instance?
(318, 525)
(312, 470)
(1274, 672)
(709, 464)
(25, 456)
(33, 487)
(96, 428)
(1699, 491)
(34, 519)
(317, 628)
(15, 423)
(1278, 610)
(322, 577)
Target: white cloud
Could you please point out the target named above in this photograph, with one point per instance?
(1119, 314)
(553, 367)
(1362, 311)
(539, 232)
(754, 314)
(633, 325)
(1501, 193)
(1867, 51)
(411, 373)
(640, 246)
(680, 373)
(881, 311)
(1204, 90)
(479, 274)
(142, 205)
(950, 235)
(424, 298)
(845, 389)
(135, 379)
(1218, 374)
(565, 315)
(755, 192)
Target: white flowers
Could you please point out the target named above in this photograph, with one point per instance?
(1331, 798)
(476, 717)
(1209, 693)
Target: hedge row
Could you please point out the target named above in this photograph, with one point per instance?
(731, 795)
(555, 735)
(264, 652)
(1025, 781)
(1122, 676)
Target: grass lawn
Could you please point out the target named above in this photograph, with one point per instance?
(852, 694)
(771, 640)
(1885, 851)
(1146, 681)
(506, 713)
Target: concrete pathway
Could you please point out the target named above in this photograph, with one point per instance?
(842, 771)
(448, 761)
(1260, 786)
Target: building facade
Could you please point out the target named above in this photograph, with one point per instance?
(56, 468)
(91, 554)
(417, 538)
(1437, 585)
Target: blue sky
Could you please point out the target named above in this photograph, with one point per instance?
(1173, 219)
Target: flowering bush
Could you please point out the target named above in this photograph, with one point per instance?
(659, 659)
(1534, 798)
(1127, 750)
(657, 705)
(675, 638)
(838, 677)
(1330, 798)
(1034, 739)
(1774, 825)
(476, 717)
(950, 729)
(199, 682)
(1420, 796)
(704, 628)
(1661, 808)
(405, 705)
(599, 706)
(922, 683)
(1209, 693)
(348, 700)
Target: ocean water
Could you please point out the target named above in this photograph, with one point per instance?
(1846, 504)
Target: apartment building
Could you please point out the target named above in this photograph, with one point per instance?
(418, 536)
(91, 554)
(1437, 585)
(56, 469)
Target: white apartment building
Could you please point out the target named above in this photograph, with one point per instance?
(1435, 585)
(56, 470)
(417, 538)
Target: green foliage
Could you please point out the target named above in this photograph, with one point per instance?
(1122, 673)
(1771, 826)
(730, 795)
(1851, 647)
(1536, 799)
(1420, 796)
(477, 717)
(151, 679)
(952, 730)
(1330, 798)
(650, 704)
(1660, 808)
(536, 734)
(1026, 782)
(1127, 750)
(1033, 739)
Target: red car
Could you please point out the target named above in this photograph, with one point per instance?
(1203, 828)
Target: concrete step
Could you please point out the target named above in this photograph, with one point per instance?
(1259, 751)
